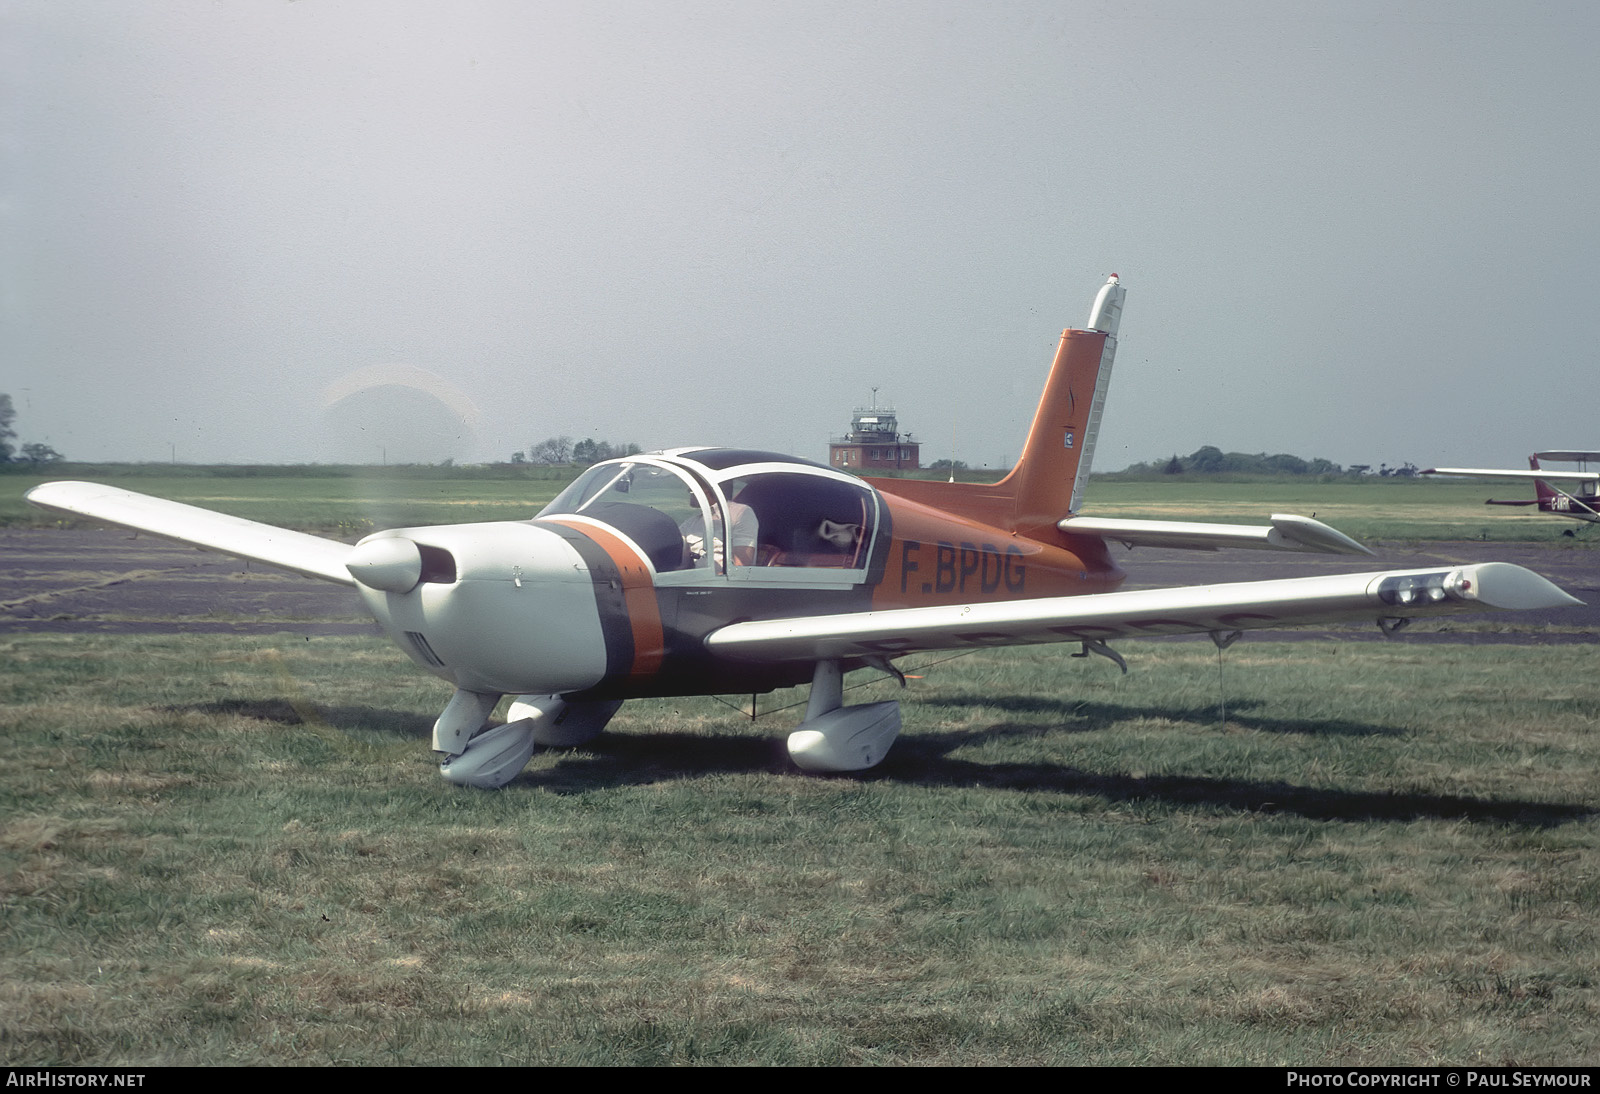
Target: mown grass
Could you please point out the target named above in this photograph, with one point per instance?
(362, 499)
(237, 850)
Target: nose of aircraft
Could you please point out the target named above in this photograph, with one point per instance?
(498, 607)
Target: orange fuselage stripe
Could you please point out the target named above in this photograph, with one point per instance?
(638, 595)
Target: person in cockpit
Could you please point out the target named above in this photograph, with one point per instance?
(744, 528)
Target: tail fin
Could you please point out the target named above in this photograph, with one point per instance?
(1048, 481)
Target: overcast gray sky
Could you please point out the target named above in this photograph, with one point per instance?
(1363, 231)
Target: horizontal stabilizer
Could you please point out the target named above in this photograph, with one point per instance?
(1386, 595)
(279, 547)
(1286, 533)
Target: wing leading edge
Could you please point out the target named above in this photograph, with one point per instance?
(1524, 476)
(1196, 609)
(296, 551)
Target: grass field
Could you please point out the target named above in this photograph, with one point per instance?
(346, 505)
(355, 503)
(237, 850)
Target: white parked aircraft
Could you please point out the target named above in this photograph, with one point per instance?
(717, 571)
(1574, 494)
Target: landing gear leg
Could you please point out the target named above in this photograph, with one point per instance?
(834, 737)
(490, 758)
(487, 759)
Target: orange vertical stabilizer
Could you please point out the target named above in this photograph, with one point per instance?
(1048, 480)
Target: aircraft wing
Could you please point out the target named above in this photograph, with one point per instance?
(1524, 476)
(1226, 608)
(279, 547)
(1285, 533)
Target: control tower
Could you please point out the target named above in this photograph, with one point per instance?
(874, 442)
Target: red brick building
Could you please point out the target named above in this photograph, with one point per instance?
(874, 443)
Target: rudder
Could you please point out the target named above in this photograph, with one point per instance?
(1048, 481)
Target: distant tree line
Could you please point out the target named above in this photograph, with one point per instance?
(563, 450)
(1211, 460)
(30, 455)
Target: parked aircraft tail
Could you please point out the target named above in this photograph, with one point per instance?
(1048, 480)
(1546, 493)
(1546, 497)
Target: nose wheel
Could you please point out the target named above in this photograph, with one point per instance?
(487, 757)
(475, 753)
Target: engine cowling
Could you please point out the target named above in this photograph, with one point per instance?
(500, 607)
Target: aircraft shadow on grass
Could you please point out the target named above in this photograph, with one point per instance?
(925, 760)
(1083, 716)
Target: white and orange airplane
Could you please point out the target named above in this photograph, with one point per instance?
(698, 571)
(1574, 494)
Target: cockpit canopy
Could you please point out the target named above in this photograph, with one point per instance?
(729, 511)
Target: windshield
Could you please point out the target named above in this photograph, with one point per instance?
(657, 507)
